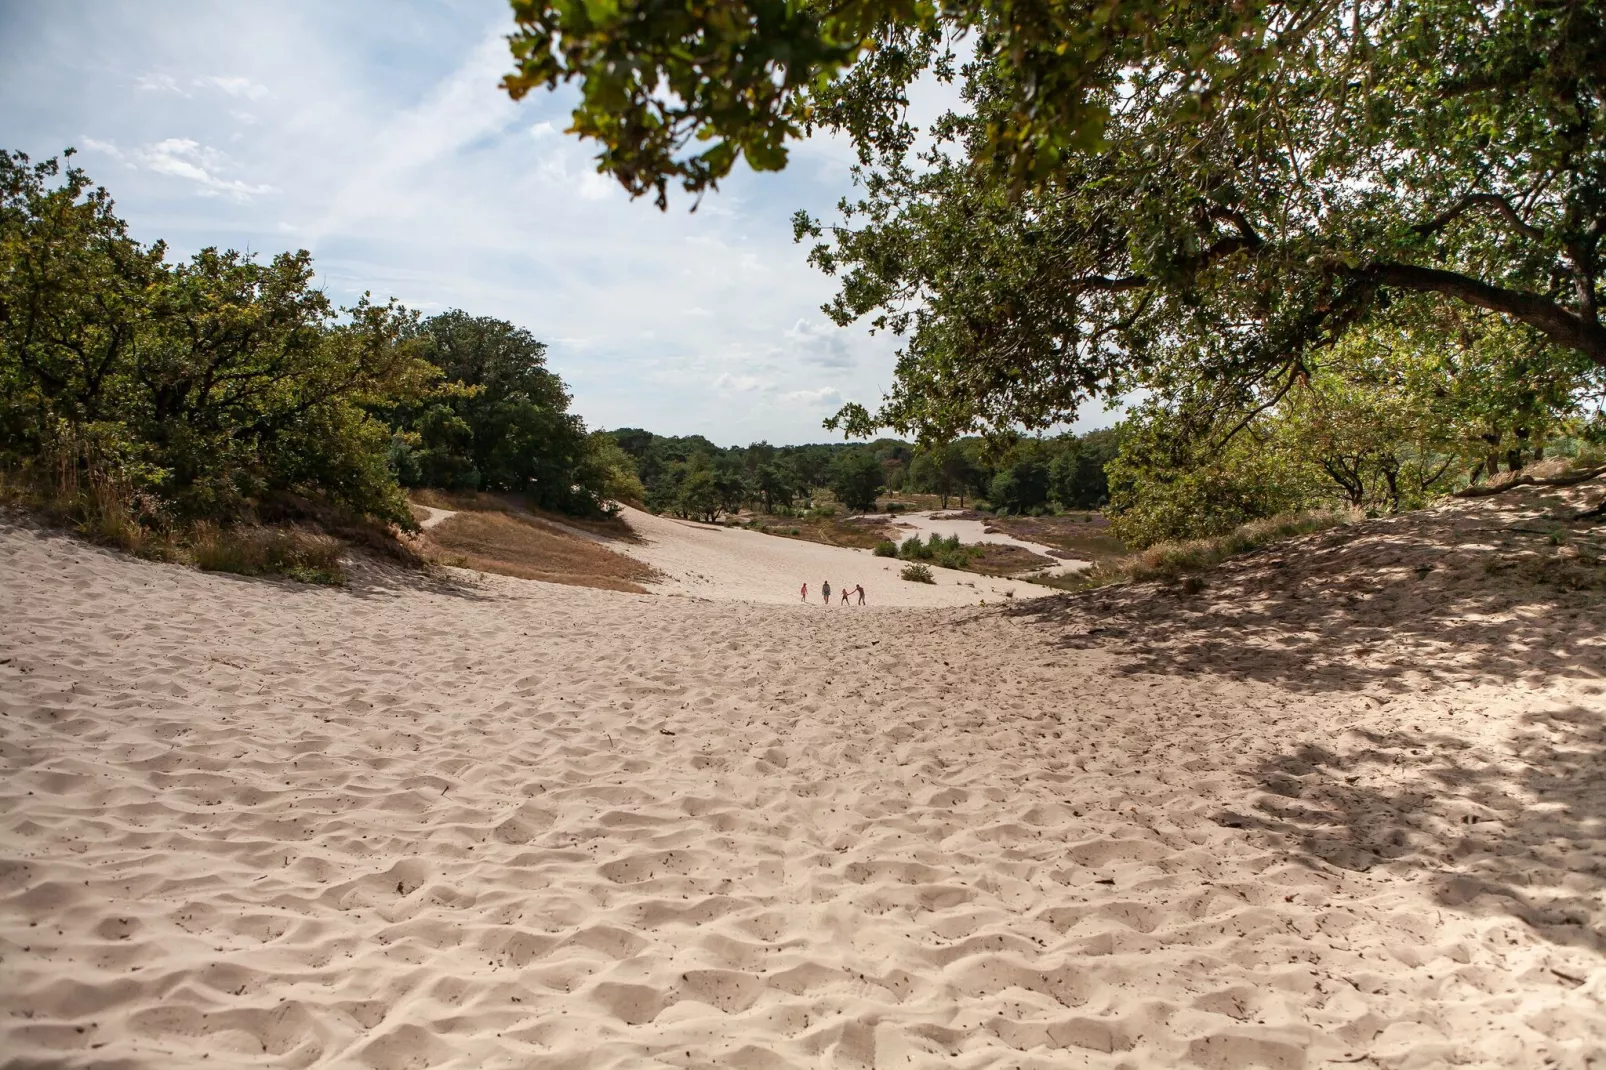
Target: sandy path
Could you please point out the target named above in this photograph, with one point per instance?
(436, 516)
(250, 823)
(927, 524)
(707, 561)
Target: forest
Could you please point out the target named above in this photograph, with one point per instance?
(691, 477)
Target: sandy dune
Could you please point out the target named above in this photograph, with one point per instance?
(707, 561)
(1340, 809)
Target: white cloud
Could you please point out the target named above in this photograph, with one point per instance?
(235, 86)
(183, 158)
(825, 397)
(821, 344)
(741, 384)
(159, 83)
(97, 145)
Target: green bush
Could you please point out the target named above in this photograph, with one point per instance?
(886, 548)
(917, 573)
(203, 386)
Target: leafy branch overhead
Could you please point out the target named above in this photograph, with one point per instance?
(1133, 192)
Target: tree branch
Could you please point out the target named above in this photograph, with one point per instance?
(1554, 321)
(1484, 200)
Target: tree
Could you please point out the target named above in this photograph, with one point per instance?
(775, 485)
(856, 480)
(1076, 476)
(1244, 184)
(698, 496)
(1022, 487)
(614, 469)
(503, 421)
(205, 386)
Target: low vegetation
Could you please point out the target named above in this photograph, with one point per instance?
(917, 573)
(531, 547)
(823, 526)
(292, 552)
(1179, 560)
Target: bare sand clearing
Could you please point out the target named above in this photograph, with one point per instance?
(1348, 810)
(735, 564)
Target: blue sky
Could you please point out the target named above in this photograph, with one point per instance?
(372, 133)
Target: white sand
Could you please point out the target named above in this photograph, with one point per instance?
(735, 564)
(1291, 823)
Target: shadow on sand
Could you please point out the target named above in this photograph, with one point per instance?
(1428, 607)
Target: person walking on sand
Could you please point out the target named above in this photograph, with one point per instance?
(825, 591)
(805, 590)
(860, 589)
(845, 592)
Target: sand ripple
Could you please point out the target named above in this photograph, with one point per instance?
(256, 824)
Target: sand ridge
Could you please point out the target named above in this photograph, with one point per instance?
(508, 824)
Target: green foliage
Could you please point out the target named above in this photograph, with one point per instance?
(856, 479)
(205, 386)
(612, 470)
(917, 573)
(1022, 487)
(500, 422)
(1076, 475)
(1169, 484)
(698, 496)
(886, 548)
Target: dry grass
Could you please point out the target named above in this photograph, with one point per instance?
(295, 538)
(608, 527)
(293, 552)
(997, 559)
(1171, 561)
(1082, 535)
(531, 548)
(856, 531)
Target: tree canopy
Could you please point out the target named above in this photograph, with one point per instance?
(1197, 199)
(202, 389)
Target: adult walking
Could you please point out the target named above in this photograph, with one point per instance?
(825, 591)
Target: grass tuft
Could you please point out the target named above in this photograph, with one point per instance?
(296, 553)
(1170, 561)
(917, 573)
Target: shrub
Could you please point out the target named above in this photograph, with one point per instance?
(917, 573)
(886, 548)
(258, 551)
(1169, 561)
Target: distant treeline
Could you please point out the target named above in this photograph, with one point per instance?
(692, 477)
(223, 389)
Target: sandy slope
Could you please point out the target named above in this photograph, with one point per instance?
(706, 561)
(1335, 812)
